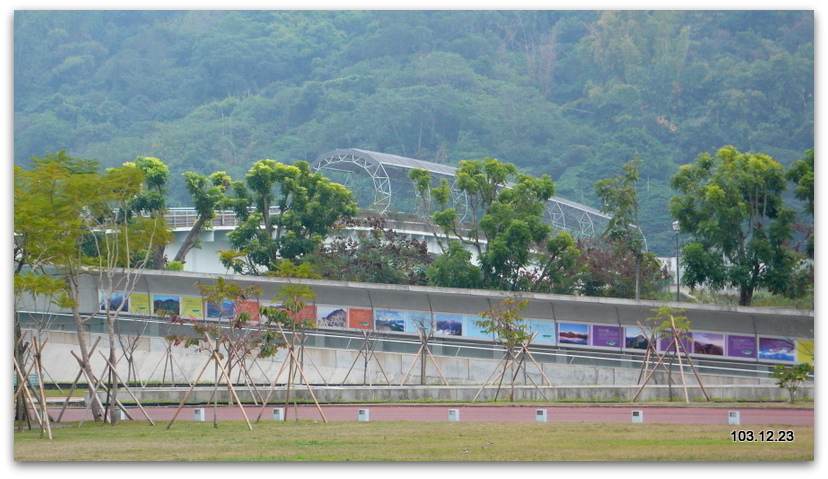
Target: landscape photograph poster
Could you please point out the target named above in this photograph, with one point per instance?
(668, 344)
(605, 336)
(117, 301)
(394, 322)
(741, 346)
(226, 311)
(545, 331)
(776, 349)
(164, 305)
(417, 321)
(634, 338)
(331, 316)
(139, 303)
(448, 325)
(708, 343)
(360, 318)
(569, 333)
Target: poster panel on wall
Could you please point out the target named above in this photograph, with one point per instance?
(605, 336)
(448, 325)
(360, 318)
(708, 343)
(570, 333)
(472, 329)
(634, 338)
(665, 344)
(418, 321)
(192, 307)
(139, 303)
(390, 321)
(776, 349)
(164, 305)
(249, 307)
(226, 311)
(545, 330)
(331, 316)
(117, 301)
(741, 346)
(805, 351)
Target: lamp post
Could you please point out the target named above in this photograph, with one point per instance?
(677, 229)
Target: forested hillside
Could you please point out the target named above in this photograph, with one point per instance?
(574, 94)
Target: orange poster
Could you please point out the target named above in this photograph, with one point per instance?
(250, 307)
(361, 319)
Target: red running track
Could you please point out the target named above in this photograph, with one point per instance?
(435, 413)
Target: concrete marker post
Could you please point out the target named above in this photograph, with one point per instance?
(637, 416)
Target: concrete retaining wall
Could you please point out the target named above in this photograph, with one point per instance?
(328, 369)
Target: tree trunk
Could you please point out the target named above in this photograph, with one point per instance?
(21, 411)
(113, 378)
(80, 322)
(190, 240)
(745, 296)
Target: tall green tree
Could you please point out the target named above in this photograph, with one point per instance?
(152, 200)
(208, 195)
(294, 210)
(619, 196)
(74, 220)
(503, 223)
(731, 204)
(801, 174)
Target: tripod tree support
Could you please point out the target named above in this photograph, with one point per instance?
(668, 323)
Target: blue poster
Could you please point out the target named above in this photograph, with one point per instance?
(545, 331)
(471, 329)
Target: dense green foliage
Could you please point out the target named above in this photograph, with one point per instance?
(572, 94)
(732, 205)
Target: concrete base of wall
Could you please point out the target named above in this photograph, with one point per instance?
(360, 394)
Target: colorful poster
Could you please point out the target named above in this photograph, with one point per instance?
(163, 305)
(605, 336)
(331, 317)
(708, 343)
(448, 325)
(118, 302)
(227, 310)
(249, 307)
(634, 338)
(360, 318)
(139, 303)
(686, 344)
(776, 349)
(390, 321)
(569, 333)
(417, 322)
(472, 329)
(741, 346)
(192, 307)
(545, 331)
(805, 351)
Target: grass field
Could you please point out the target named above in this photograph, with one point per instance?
(404, 441)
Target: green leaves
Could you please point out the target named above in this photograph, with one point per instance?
(295, 210)
(732, 206)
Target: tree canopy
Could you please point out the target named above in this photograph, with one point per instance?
(732, 206)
